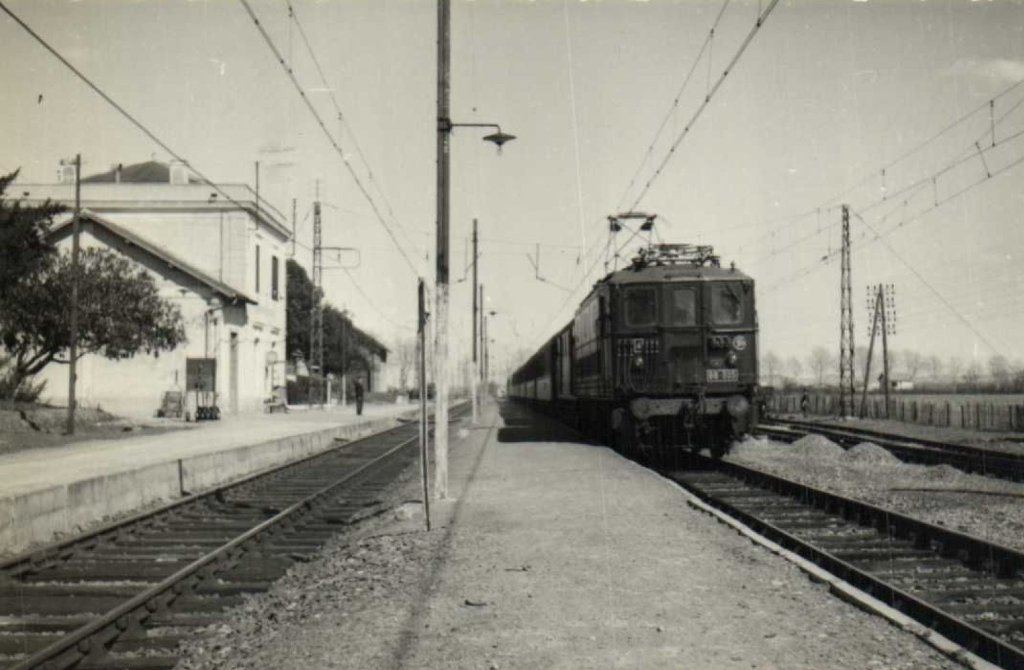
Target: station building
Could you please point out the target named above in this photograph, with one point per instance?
(220, 260)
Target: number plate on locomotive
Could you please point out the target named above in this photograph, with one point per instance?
(723, 375)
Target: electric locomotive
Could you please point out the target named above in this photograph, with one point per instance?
(661, 354)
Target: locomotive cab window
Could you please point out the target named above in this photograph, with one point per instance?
(727, 304)
(680, 306)
(641, 307)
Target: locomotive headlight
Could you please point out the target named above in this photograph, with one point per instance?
(737, 406)
(739, 343)
(638, 361)
(642, 408)
(731, 358)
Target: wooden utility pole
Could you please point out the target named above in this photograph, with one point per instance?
(475, 372)
(444, 129)
(480, 339)
(75, 246)
(885, 347)
(421, 375)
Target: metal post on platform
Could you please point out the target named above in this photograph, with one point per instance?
(421, 375)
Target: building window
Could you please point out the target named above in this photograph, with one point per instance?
(273, 278)
(257, 269)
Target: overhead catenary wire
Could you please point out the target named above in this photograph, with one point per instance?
(928, 285)
(707, 101)
(675, 100)
(901, 198)
(886, 168)
(337, 108)
(905, 220)
(327, 133)
(121, 110)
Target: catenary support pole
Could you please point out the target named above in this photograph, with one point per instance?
(75, 244)
(421, 376)
(441, 297)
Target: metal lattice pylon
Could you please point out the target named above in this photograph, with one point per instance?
(846, 392)
(316, 314)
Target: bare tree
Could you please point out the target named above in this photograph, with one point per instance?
(933, 366)
(912, 362)
(999, 368)
(795, 369)
(772, 364)
(972, 375)
(406, 355)
(953, 368)
(821, 361)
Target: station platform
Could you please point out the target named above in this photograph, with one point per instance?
(553, 552)
(49, 491)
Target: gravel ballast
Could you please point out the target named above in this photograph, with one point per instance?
(551, 554)
(988, 508)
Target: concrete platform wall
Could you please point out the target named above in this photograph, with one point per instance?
(40, 515)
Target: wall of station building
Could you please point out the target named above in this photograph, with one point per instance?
(246, 341)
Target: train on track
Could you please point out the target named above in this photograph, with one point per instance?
(660, 356)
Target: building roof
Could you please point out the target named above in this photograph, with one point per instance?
(159, 253)
(149, 172)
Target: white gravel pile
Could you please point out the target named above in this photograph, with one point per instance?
(817, 446)
(985, 507)
(869, 452)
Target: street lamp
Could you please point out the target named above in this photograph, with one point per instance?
(444, 130)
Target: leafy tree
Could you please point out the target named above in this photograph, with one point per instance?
(120, 313)
(24, 249)
(297, 310)
(344, 345)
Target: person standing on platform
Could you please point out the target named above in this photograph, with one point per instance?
(357, 388)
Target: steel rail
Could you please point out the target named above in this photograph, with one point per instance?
(1004, 465)
(988, 560)
(34, 557)
(111, 625)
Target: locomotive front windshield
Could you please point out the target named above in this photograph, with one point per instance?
(641, 307)
(727, 305)
(680, 306)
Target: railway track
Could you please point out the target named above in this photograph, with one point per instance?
(982, 461)
(125, 595)
(967, 589)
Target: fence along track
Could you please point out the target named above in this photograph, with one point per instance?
(980, 416)
(988, 462)
(124, 596)
(967, 589)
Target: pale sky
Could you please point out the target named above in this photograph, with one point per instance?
(827, 94)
